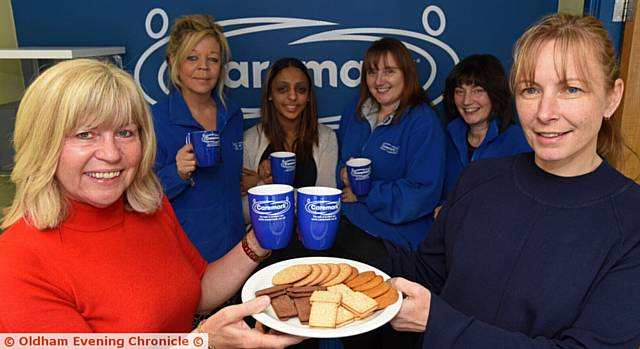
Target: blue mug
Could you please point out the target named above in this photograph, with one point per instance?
(318, 216)
(283, 167)
(206, 146)
(359, 172)
(271, 208)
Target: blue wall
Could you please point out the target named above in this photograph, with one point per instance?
(327, 34)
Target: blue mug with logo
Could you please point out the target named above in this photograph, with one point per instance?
(206, 146)
(359, 172)
(283, 167)
(318, 216)
(271, 207)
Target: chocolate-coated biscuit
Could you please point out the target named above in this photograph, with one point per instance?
(303, 306)
(271, 290)
(306, 289)
(284, 307)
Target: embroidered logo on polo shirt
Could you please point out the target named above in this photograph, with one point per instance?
(238, 145)
(389, 148)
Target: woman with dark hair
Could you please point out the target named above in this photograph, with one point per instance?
(478, 105)
(392, 124)
(289, 122)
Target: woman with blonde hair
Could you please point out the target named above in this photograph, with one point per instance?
(91, 241)
(537, 250)
(205, 199)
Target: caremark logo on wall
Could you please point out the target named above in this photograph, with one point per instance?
(248, 74)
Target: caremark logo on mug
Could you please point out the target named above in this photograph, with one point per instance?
(361, 173)
(288, 165)
(322, 208)
(271, 208)
(211, 139)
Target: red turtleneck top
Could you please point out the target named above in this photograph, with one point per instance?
(102, 270)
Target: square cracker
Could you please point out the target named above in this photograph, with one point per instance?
(359, 303)
(323, 315)
(326, 297)
(344, 317)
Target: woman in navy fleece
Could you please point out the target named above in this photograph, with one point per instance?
(391, 123)
(477, 102)
(206, 199)
(538, 250)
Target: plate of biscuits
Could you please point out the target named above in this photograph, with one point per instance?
(323, 297)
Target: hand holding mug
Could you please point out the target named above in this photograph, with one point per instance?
(264, 171)
(283, 167)
(206, 147)
(248, 180)
(359, 173)
(348, 196)
(345, 177)
(185, 161)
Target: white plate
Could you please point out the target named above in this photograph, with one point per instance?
(262, 279)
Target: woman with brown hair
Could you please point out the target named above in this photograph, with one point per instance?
(392, 124)
(537, 250)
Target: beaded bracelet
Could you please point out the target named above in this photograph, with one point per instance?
(251, 253)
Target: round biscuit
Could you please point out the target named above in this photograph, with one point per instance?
(315, 271)
(324, 271)
(378, 290)
(377, 280)
(354, 273)
(361, 279)
(334, 270)
(345, 271)
(387, 298)
(291, 274)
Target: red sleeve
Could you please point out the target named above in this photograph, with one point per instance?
(33, 294)
(198, 262)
